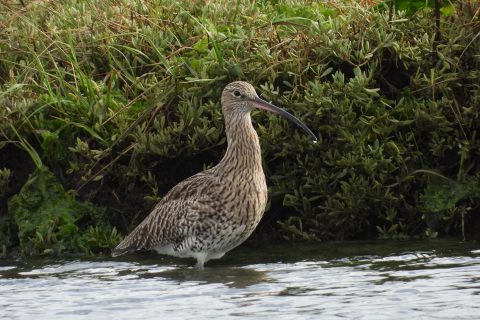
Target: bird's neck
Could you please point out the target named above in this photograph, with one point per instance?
(243, 152)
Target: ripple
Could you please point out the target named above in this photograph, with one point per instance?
(406, 283)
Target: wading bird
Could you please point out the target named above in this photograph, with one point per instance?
(214, 211)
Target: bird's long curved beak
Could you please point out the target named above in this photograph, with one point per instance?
(264, 105)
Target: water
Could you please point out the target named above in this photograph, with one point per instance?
(399, 280)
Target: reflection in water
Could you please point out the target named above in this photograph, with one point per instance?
(231, 277)
(400, 280)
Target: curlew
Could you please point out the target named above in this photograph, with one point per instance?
(214, 211)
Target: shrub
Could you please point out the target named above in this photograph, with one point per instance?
(122, 103)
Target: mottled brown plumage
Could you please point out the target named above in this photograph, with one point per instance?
(213, 211)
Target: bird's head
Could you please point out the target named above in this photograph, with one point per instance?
(239, 98)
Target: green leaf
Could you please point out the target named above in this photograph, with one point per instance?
(442, 194)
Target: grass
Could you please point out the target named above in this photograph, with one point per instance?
(119, 99)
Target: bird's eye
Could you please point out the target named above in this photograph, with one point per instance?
(237, 93)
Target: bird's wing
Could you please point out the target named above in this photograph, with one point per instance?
(177, 216)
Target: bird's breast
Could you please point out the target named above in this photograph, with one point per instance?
(250, 199)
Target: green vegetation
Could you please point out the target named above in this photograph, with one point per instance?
(116, 101)
(50, 221)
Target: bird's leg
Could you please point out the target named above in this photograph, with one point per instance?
(201, 258)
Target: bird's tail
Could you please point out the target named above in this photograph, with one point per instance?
(136, 240)
(121, 250)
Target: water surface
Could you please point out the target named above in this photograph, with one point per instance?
(393, 280)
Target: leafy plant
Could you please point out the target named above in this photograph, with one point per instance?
(4, 175)
(122, 103)
(50, 221)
